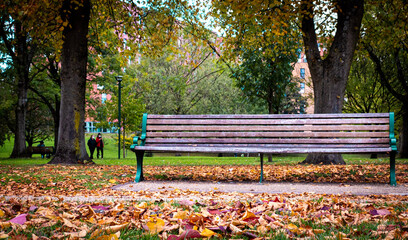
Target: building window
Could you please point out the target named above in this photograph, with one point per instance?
(302, 87)
(302, 73)
(103, 97)
(90, 128)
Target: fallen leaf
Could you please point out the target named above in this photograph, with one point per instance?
(188, 234)
(181, 215)
(114, 236)
(155, 225)
(20, 219)
(207, 233)
(248, 215)
(75, 235)
(3, 236)
(108, 230)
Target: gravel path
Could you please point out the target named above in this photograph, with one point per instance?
(319, 188)
(181, 190)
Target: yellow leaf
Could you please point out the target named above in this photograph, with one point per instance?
(108, 230)
(181, 215)
(2, 213)
(293, 228)
(114, 236)
(142, 205)
(248, 215)
(318, 231)
(155, 225)
(207, 233)
(3, 236)
(112, 181)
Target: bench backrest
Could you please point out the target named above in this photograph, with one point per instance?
(34, 150)
(369, 130)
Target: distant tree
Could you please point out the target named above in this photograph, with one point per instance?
(46, 88)
(20, 50)
(385, 40)
(38, 127)
(262, 77)
(364, 92)
(6, 108)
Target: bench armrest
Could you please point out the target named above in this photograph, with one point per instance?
(393, 144)
(393, 140)
(136, 141)
(143, 136)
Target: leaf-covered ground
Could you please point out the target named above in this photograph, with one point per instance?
(196, 214)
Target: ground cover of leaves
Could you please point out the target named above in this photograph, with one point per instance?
(193, 214)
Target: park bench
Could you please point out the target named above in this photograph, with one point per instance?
(360, 133)
(41, 150)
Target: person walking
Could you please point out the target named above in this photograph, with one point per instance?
(99, 145)
(92, 145)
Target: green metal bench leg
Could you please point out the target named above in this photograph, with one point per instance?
(260, 180)
(393, 180)
(139, 171)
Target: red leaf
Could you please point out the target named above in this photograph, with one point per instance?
(214, 211)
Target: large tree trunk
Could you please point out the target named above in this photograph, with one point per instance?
(71, 138)
(403, 137)
(56, 118)
(329, 75)
(22, 60)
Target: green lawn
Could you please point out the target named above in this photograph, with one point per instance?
(111, 157)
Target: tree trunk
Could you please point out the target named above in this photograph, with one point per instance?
(271, 111)
(21, 60)
(19, 149)
(403, 136)
(123, 143)
(56, 118)
(329, 75)
(71, 138)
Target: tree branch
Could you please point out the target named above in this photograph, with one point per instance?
(384, 81)
(400, 72)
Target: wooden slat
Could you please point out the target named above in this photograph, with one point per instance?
(261, 150)
(269, 128)
(270, 140)
(274, 145)
(267, 122)
(269, 134)
(272, 116)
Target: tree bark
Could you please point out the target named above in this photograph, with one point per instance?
(403, 137)
(22, 58)
(71, 138)
(329, 75)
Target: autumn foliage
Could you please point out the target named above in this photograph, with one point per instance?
(77, 202)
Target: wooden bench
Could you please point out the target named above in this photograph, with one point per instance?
(267, 134)
(41, 150)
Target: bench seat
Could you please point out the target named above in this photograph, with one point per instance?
(266, 150)
(267, 134)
